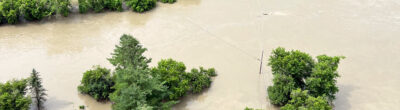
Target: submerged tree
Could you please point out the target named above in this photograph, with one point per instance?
(37, 90)
(301, 83)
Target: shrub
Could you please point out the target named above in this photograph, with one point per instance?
(97, 83)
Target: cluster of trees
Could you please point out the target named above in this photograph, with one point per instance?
(300, 82)
(11, 11)
(13, 94)
(135, 85)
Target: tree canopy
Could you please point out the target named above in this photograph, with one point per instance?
(13, 95)
(97, 83)
(138, 87)
(301, 83)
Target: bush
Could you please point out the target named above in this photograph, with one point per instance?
(141, 5)
(12, 95)
(97, 83)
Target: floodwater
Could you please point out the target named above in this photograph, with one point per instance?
(226, 34)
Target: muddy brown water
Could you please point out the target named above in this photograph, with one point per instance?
(226, 34)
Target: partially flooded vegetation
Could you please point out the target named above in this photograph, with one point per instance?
(267, 55)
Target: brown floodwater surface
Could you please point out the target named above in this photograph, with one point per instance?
(226, 34)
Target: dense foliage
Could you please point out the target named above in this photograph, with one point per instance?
(9, 9)
(279, 94)
(36, 9)
(295, 71)
(301, 100)
(178, 81)
(175, 77)
(141, 5)
(137, 89)
(63, 7)
(97, 83)
(13, 95)
(37, 90)
(32, 10)
(323, 77)
(12, 11)
(99, 5)
(136, 86)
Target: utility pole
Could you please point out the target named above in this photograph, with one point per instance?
(262, 55)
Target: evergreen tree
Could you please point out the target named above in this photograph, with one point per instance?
(129, 52)
(37, 90)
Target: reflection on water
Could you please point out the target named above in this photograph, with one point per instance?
(226, 34)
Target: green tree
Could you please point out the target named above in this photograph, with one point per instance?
(136, 89)
(10, 10)
(279, 93)
(129, 52)
(200, 78)
(295, 64)
(97, 83)
(12, 95)
(174, 75)
(323, 77)
(37, 90)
